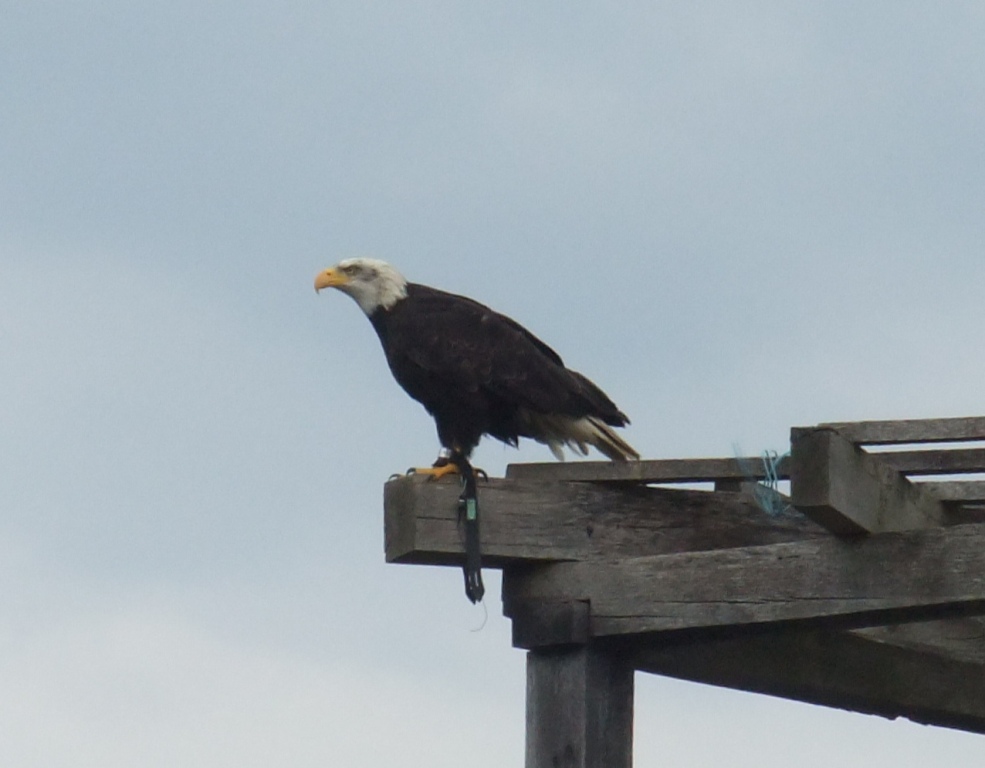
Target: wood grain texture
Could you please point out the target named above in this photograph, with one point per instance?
(843, 669)
(879, 579)
(957, 639)
(848, 491)
(942, 462)
(646, 471)
(547, 521)
(957, 490)
(917, 462)
(911, 430)
(579, 709)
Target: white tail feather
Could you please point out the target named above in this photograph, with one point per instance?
(578, 434)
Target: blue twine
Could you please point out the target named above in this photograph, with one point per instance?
(766, 490)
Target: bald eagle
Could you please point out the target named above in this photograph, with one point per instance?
(477, 372)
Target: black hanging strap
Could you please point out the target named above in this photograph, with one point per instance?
(468, 515)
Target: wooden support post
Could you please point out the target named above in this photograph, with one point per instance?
(579, 709)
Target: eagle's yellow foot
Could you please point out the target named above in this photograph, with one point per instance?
(448, 463)
(436, 473)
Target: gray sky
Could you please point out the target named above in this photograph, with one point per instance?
(736, 218)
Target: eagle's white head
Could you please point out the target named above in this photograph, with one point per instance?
(371, 282)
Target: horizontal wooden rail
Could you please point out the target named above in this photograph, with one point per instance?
(919, 463)
(911, 430)
(544, 522)
(845, 670)
(647, 470)
(885, 578)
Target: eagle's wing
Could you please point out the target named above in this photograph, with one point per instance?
(462, 343)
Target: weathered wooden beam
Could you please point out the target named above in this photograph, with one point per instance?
(546, 521)
(579, 709)
(848, 491)
(919, 462)
(953, 461)
(840, 669)
(543, 624)
(953, 430)
(957, 639)
(879, 579)
(957, 490)
(647, 471)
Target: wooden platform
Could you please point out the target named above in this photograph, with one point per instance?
(865, 594)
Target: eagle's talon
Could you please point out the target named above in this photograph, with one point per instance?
(436, 472)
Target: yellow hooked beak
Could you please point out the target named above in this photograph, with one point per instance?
(330, 278)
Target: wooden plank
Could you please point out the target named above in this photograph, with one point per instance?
(880, 579)
(750, 468)
(843, 670)
(647, 471)
(849, 491)
(958, 639)
(957, 490)
(542, 521)
(943, 462)
(542, 624)
(952, 430)
(579, 709)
